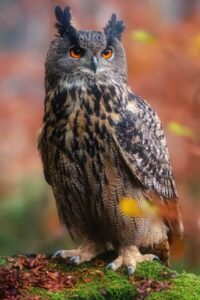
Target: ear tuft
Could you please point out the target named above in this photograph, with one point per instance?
(64, 25)
(114, 28)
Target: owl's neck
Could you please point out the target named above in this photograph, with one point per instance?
(53, 81)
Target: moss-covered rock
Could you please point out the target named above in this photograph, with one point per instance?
(43, 278)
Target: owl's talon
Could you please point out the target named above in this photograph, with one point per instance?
(129, 257)
(130, 270)
(156, 258)
(86, 252)
(74, 259)
(57, 254)
(111, 266)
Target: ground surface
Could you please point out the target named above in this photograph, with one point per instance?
(40, 277)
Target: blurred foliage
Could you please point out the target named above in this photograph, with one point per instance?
(180, 130)
(23, 213)
(162, 43)
(142, 36)
(130, 206)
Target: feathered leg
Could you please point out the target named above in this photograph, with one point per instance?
(85, 252)
(130, 256)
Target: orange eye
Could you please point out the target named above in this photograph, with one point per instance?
(76, 52)
(107, 53)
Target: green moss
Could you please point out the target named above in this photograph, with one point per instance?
(109, 285)
(154, 270)
(47, 295)
(93, 282)
(117, 286)
(185, 287)
(3, 261)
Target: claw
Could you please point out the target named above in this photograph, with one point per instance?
(130, 270)
(74, 259)
(156, 258)
(57, 254)
(111, 266)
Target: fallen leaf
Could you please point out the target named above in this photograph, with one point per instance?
(86, 280)
(13, 281)
(99, 272)
(53, 275)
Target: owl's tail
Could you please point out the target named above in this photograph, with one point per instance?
(174, 220)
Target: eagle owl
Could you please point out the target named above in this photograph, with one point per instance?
(99, 143)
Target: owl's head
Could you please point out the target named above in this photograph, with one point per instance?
(85, 53)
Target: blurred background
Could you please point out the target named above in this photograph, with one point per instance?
(162, 42)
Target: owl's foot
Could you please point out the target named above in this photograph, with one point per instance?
(85, 252)
(130, 256)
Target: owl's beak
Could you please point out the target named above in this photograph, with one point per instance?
(94, 63)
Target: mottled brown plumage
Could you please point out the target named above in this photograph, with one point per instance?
(99, 143)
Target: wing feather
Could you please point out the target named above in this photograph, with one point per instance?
(140, 139)
(45, 155)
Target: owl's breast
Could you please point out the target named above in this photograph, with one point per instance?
(85, 119)
(86, 134)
